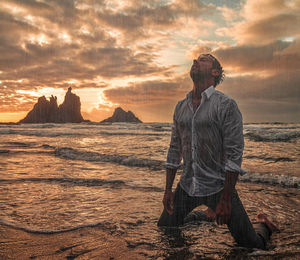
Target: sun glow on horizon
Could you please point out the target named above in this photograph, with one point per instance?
(12, 117)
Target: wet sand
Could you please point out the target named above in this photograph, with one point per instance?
(83, 243)
(209, 241)
(193, 241)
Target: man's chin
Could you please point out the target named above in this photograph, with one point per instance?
(196, 77)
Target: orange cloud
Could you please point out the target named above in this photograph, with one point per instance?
(136, 51)
(265, 22)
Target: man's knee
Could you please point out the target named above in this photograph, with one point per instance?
(167, 220)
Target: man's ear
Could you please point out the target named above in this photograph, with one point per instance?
(215, 72)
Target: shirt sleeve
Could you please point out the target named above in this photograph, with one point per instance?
(233, 138)
(175, 151)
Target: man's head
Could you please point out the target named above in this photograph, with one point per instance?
(207, 66)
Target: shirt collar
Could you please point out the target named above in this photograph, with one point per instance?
(208, 92)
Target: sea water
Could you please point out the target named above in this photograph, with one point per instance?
(59, 177)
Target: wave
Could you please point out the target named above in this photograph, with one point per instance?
(69, 132)
(270, 159)
(73, 154)
(38, 152)
(115, 184)
(129, 133)
(77, 181)
(26, 126)
(265, 136)
(18, 144)
(283, 180)
(113, 228)
(37, 133)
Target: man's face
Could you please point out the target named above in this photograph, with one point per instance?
(201, 68)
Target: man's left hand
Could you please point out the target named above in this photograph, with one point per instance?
(223, 211)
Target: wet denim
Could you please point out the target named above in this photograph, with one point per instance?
(239, 225)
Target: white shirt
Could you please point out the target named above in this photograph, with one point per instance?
(210, 141)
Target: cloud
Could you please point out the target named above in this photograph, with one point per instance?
(266, 22)
(269, 111)
(266, 30)
(11, 101)
(136, 51)
(229, 14)
(150, 92)
(69, 41)
(274, 57)
(281, 86)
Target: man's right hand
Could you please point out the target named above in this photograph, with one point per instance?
(168, 201)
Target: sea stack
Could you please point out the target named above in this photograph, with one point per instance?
(69, 110)
(47, 111)
(122, 116)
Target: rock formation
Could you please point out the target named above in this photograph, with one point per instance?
(69, 110)
(45, 111)
(122, 116)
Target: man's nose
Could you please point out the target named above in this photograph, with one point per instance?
(195, 62)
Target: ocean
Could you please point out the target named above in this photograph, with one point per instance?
(60, 177)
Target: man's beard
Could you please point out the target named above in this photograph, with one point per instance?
(198, 75)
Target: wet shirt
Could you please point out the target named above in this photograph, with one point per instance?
(210, 141)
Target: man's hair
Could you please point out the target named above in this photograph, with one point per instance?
(216, 65)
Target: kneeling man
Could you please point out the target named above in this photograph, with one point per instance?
(208, 134)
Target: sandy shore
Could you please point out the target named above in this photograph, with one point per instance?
(215, 242)
(83, 243)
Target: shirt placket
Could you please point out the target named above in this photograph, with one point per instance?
(194, 147)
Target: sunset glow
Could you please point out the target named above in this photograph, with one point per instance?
(137, 55)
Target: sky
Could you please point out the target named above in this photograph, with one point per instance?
(137, 54)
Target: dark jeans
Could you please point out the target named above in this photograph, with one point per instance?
(239, 225)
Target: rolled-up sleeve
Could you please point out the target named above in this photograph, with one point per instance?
(233, 138)
(175, 150)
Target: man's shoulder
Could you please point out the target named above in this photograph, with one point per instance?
(182, 102)
(221, 95)
(223, 98)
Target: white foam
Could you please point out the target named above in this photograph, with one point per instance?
(288, 181)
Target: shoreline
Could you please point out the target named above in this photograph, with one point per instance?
(96, 242)
(82, 243)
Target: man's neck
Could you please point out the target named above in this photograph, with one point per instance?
(199, 87)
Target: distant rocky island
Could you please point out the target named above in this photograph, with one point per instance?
(122, 116)
(47, 111)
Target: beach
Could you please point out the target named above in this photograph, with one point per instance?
(98, 242)
(84, 243)
(92, 191)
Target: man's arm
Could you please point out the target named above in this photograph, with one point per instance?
(233, 144)
(169, 195)
(173, 162)
(223, 209)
